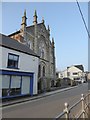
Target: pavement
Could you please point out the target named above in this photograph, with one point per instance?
(8, 103)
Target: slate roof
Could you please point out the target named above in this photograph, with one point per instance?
(10, 43)
(80, 67)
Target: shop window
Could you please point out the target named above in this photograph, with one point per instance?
(15, 91)
(12, 60)
(5, 85)
(5, 92)
(15, 85)
(25, 85)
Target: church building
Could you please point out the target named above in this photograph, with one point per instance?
(37, 37)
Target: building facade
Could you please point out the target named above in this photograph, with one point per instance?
(74, 72)
(37, 37)
(18, 69)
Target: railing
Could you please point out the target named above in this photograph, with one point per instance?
(80, 109)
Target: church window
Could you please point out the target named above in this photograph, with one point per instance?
(29, 44)
(39, 71)
(43, 70)
(42, 54)
(39, 52)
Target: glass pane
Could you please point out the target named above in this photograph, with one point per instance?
(15, 81)
(16, 58)
(15, 91)
(15, 64)
(10, 63)
(5, 92)
(5, 81)
(25, 85)
(10, 57)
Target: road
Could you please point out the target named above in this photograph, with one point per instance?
(47, 107)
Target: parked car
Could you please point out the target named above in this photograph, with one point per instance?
(83, 81)
(79, 81)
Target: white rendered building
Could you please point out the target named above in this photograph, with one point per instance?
(18, 68)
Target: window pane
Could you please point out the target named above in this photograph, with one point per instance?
(15, 91)
(75, 73)
(10, 63)
(10, 57)
(25, 85)
(15, 64)
(5, 92)
(5, 81)
(16, 58)
(15, 81)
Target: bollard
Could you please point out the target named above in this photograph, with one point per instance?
(83, 111)
(66, 110)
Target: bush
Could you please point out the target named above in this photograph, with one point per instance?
(58, 82)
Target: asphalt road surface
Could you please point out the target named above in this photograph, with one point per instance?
(46, 107)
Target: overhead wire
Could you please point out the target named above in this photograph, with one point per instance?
(83, 18)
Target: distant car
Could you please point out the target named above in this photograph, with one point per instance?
(83, 81)
(79, 81)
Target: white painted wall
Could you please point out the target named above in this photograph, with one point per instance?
(71, 70)
(27, 63)
(74, 69)
(64, 73)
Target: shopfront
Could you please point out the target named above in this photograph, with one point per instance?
(15, 83)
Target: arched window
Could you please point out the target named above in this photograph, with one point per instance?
(29, 44)
(43, 70)
(39, 70)
(42, 54)
(39, 52)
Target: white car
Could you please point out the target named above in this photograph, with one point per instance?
(83, 81)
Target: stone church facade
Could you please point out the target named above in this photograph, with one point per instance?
(37, 37)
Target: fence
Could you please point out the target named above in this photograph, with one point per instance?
(80, 109)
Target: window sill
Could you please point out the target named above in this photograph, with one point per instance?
(12, 68)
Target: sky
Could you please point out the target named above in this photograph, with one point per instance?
(66, 26)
